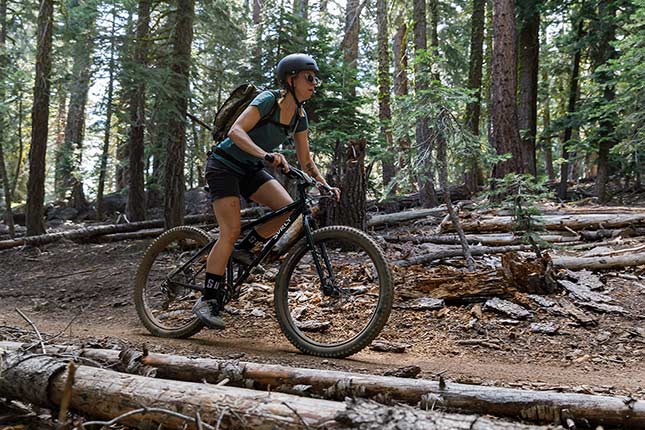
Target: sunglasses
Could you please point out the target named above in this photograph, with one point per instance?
(312, 79)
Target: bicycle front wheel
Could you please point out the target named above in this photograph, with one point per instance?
(342, 313)
(162, 294)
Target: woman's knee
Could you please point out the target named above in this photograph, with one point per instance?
(229, 234)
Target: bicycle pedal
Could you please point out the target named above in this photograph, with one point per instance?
(258, 270)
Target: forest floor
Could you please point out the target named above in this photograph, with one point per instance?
(92, 285)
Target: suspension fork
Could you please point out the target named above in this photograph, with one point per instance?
(314, 253)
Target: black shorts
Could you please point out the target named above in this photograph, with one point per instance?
(224, 182)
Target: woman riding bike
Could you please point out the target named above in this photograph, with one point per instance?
(235, 168)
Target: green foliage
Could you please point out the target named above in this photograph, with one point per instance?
(519, 194)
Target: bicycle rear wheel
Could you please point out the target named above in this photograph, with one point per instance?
(161, 298)
(342, 314)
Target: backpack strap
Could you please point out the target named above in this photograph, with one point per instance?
(269, 116)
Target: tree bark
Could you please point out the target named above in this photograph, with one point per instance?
(349, 44)
(427, 196)
(82, 29)
(538, 406)
(546, 123)
(401, 217)
(348, 174)
(59, 144)
(605, 31)
(40, 121)
(473, 108)
(458, 252)
(571, 108)
(384, 83)
(399, 52)
(496, 239)
(108, 122)
(598, 263)
(8, 214)
(105, 394)
(528, 64)
(88, 233)
(557, 222)
(504, 134)
(16, 176)
(180, 86)
(136, 205)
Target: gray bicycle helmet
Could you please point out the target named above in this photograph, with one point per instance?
(294, 63)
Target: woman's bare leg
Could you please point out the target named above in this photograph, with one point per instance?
(273, 195)
(227, 213)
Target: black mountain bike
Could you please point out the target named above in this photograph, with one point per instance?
(333, 293)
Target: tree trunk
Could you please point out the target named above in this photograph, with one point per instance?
(494, 239)
(59, 144)
(82, 28)
(136, 205)
(605, 31)
(106, 394)
(348, 174)
(599, 263)
(108, 122)
(504, 135)
(16, 176)
(349, 44)
(8, 214)
(88, 233)
(528, 58)
(558, 222)
(571, 108)
(384, 83)
(175, 148)
(427, 196)
(546, 123)
(401, 217)
(399, 52)
(473, 108)
(538, 406)
(40, 121)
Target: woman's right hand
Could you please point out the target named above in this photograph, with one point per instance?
(278, 160)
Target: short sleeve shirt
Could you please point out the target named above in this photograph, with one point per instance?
(268, 136)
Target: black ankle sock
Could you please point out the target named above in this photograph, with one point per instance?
(250, 241)
(211, 285)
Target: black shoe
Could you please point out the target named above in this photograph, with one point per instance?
(208, 313)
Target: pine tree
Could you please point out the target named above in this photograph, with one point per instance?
(39, 121)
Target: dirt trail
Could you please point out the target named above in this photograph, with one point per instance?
(95, 282)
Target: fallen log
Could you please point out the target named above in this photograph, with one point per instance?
(475, 250)
(598, 263)
(555, 222)
(400, 217)
(483, 239)
(87, 233)
(367, 415)
(537, 406)
(454, 285)
(107, 394)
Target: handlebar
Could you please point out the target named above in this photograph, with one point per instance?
(299, 175)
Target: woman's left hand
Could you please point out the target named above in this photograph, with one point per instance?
(335, 191)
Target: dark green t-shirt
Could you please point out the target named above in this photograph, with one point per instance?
(268, 136)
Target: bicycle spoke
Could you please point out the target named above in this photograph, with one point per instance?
(344, 306)
(166, 291)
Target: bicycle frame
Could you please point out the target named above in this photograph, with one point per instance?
(297, 208)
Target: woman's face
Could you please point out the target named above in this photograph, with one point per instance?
(305, 82)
